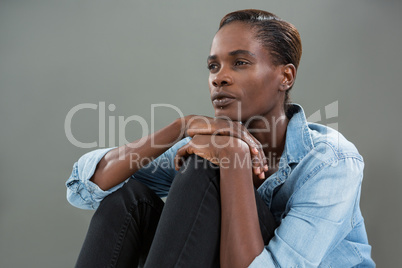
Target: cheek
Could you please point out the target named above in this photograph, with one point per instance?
(260, 92)
(253, 97)
(257, 88)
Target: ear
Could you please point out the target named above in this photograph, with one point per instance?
(289, 76)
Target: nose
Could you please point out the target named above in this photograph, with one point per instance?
(222, 79)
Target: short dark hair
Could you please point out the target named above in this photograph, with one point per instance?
(279, 37)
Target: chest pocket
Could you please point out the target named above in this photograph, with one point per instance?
(343, 256)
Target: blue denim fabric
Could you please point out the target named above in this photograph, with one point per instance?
(157, 175)
(314, 196)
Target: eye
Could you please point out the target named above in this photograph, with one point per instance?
(240, 63)
(212, 67)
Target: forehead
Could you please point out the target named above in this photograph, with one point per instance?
(235, 36)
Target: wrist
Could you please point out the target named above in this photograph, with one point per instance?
(235, 147)
(235, 157)
(235, 168)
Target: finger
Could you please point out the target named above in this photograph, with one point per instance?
(256, 150)
(262, 163)
(180, 155)
(202, 125)
(256, 153)
(264, 166)
(178, 162)
(197, 131)
(249, 139)
(260, 159)
(211, 130)
(263, 160)
(256, 165)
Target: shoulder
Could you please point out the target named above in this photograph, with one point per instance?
(331, 170)
(305, 140)
(314, 150)
(331, 164)
(330, 144)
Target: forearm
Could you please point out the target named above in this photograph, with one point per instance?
(241, 239)
(120, 163)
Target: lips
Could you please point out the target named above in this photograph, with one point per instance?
(222, 99)
(221, 102)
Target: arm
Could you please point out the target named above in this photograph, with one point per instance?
(120, 163)
(101, 172)
(117, 165)
(241, 240)
(83, 193)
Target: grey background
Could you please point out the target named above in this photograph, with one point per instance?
(57, 54)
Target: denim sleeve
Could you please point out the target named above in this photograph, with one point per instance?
(263, 260)
(320, 216)
(84, 194)
(81, 192)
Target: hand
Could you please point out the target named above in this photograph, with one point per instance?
(204, 125)
(212, 148)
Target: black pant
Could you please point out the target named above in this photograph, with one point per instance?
(133, 226)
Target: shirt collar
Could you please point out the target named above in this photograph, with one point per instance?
(298, 139)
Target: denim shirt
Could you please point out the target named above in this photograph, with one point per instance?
(314, 196)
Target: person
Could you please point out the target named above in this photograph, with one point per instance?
(254, 186)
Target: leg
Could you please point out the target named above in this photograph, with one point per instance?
(189, 231)
(122, 228)
(266, 219)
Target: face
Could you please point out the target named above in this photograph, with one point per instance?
(243, 81)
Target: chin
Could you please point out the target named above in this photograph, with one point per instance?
(228, 114)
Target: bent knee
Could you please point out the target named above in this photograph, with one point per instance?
(196, 167)
(195, 163)
(133, 192)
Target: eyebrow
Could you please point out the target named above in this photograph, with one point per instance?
(233, 53)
